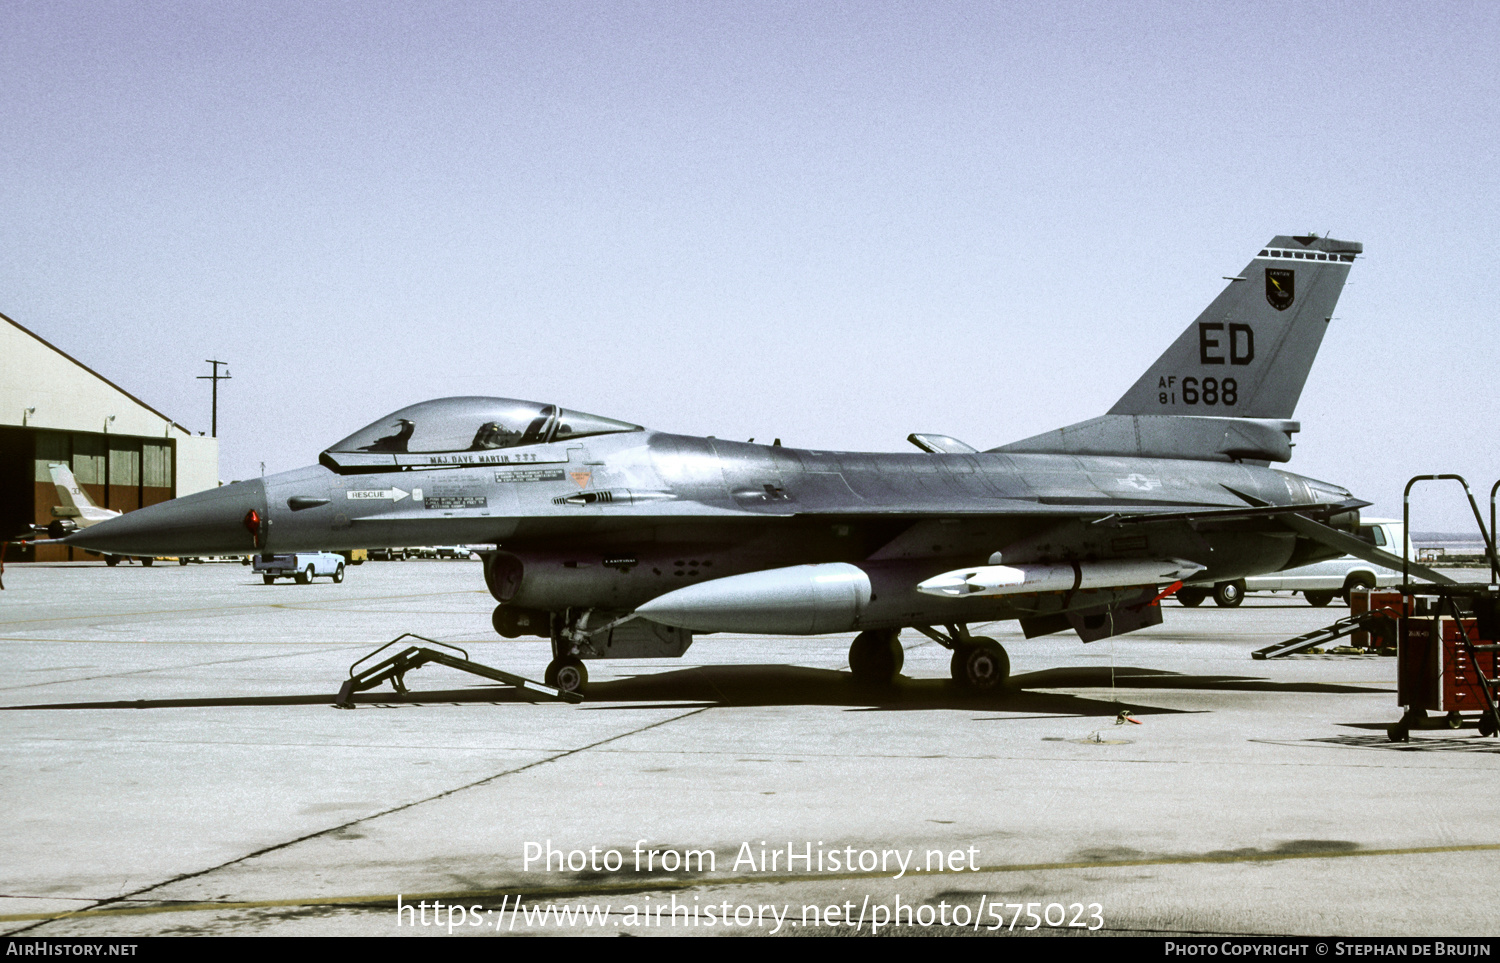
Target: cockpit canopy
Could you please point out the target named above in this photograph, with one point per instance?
(462, 431)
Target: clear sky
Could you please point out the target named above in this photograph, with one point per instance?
(829, 223)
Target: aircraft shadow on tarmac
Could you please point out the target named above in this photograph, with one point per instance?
(771, 685)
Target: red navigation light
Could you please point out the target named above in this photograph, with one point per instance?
(252, 525)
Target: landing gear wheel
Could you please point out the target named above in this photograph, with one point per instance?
(980, 665)
(1318, 599)
(1191, 597)
(567, 674)
(1454, 720)
(268, 579)
(305, 577)
(1229, 595)
(876, 656)
(338, 574)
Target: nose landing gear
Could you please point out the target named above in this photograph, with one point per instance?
(567, 674)
(978, 664)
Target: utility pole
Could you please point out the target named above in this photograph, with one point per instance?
(216, 378)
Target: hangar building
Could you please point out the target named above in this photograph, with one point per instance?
(124, 453)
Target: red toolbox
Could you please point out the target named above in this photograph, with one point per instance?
(1435, 671)
(1361, 602)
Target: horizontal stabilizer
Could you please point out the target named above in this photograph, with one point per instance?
(1234, 514)
(1359, 548)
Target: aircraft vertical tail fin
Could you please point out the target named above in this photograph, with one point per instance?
(1227, 387)
(1248, 354)
(69, 495)
(73, 500)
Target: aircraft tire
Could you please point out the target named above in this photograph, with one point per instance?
(1318, 599)
(980, 665)
(1229, 595)
(567, 674)
(876, 656)
(338, 574)
(1190, 597)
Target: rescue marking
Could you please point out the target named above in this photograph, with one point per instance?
(364, 494)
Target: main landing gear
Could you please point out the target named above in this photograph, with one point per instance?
(978, 664)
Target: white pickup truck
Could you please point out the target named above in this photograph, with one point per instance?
(302, 566)
(1322, 582)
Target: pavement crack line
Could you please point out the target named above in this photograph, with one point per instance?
(102, 905)
(576, 891)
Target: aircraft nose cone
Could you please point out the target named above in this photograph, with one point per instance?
(208, 523)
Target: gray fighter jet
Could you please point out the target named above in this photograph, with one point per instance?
(618, 541)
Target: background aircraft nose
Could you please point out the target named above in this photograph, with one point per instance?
(208, 523)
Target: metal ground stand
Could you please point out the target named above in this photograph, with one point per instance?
(1444, 663)
(1433, 671)
(1375, 621)
(412, 657)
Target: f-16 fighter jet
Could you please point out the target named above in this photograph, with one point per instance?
(618, 541)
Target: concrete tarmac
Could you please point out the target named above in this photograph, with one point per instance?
(174, 765)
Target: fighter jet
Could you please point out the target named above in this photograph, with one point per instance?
(618, 541)
(74, 511)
